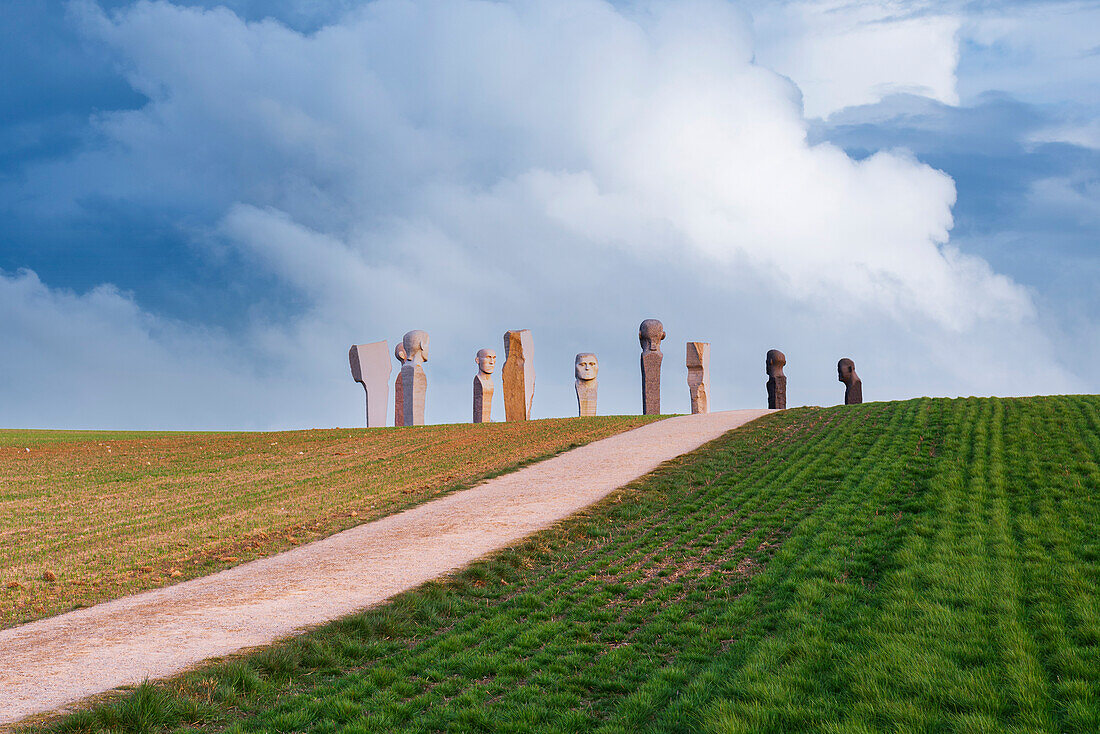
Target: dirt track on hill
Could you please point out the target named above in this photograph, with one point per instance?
(53, 662)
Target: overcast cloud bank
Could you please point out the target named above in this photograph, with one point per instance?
(470, 167)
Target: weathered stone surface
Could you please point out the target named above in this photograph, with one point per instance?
(370, 367)
(587, 370)
(414, 383)
(399, 388)
(651, 333)
(518, 374)
(777, 381)
(698, 365)
(853, 386)
(486, 360)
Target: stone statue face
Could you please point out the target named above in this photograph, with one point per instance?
(774, 362)
(845, 370)
(414, 347)
(650, 334)
(587, 367)
(486, 361)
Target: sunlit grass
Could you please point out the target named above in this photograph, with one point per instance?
(929, 566)
(86, 516)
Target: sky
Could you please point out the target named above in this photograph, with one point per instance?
(203, 205)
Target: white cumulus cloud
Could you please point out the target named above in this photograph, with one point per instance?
(469, 167)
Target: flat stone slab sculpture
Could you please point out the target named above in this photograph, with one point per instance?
(399, 388)
(486, 360)
(370, 367)
(853, 386)
(587, 369)
(651, 333)
(414, 383)
(777, 381)
(518, 374)
(698, 364)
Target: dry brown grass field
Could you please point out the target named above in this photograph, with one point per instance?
(87, 516)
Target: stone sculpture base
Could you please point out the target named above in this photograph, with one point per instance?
(399, 400)
(415, 387)
(853, 394)
(651, 382)
(777, 393)
(586, 397)
(483, 400)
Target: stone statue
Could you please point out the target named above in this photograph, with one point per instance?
(518, 374)
(853, 386)
(370, 367)
(651, 333)
(413, 353)
(486, 360)
(777, 381)
(698, 364)
(399, 388)
(586, 369)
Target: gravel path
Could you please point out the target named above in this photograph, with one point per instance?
(47, 664)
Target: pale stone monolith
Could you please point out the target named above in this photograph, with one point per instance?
(518, 374)
(651, 333)
(399, 388)
(486, 360)
(777, 381)
(370, 367)
(698, 365)
(853, 386)
(414, 383)
(587, 370)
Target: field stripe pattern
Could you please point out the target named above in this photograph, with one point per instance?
(928, 566)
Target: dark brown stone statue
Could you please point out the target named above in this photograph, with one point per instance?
(777, 381)
(651, 333)
(853, 386)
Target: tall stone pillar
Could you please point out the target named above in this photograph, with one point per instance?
(651, 333)
(698, 366)
(587, 370)
(518, 374)
(399, 387)
(486, 360)
(414, 383)
(777, 381)
(370, 367)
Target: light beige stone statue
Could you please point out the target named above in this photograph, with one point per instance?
(518, 374)
(651, 333)
(399, 388)
(483, 385)
(587, 369)
(370, 367)
(414, 383)
(698, 364)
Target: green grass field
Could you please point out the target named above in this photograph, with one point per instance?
(923, 566)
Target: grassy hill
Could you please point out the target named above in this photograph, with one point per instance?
(87, 516)
(930, 565)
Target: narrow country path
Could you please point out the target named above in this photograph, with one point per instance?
(47, 664)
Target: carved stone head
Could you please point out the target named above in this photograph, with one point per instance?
(651, 333)
(774, 362)
(587, 368)
(486, 361)
(846, 371)
(414, 347)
